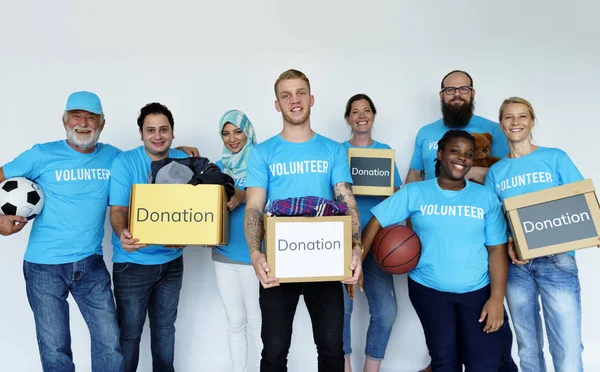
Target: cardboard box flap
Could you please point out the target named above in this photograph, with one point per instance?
(550, 194)
(371, 153)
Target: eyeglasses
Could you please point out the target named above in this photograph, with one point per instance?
(450, 91)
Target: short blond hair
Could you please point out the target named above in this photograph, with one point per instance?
(520, 100)
(289, 75)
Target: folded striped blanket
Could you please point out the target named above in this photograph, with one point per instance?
(306, 206)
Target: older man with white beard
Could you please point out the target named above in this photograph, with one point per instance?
(64, 253)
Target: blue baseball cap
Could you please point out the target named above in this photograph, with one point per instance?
(86, 101)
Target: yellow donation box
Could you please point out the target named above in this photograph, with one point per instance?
(169, 214)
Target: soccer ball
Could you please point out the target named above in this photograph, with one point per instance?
(21, 197)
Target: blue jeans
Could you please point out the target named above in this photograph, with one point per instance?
(151, 289)
(88, 281)
(555, 280)
(381, 295)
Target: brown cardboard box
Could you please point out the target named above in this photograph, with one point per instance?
(309, 249)
(372, 171)
(169, 214)
(554, 220)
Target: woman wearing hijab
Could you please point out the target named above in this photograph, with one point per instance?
(236, 279)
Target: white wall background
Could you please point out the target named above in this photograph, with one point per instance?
(203, 58)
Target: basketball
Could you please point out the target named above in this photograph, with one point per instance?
(396, 249)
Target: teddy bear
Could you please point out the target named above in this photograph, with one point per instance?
(483, 149)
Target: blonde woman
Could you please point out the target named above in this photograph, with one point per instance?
(552, 279)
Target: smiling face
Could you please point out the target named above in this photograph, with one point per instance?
(157, 136)
(294, 101)
(457, 100)
(361, 117)
(517, 122)
(457, 80)
(456, 158)
(233, 138)
(83, 129)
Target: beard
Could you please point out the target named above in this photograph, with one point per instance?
(457, 116)
(82, 141)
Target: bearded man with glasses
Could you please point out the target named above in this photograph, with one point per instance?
(457, 97)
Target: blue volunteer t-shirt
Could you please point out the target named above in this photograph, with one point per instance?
(71, 224)
(294, 169)
(365, 203)
(426, 144)
(129, 168)
(543, 168)
(237, 249)
(454, 228)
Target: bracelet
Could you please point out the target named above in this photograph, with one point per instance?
(357, 243)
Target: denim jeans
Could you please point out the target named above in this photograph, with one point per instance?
(325, 304)
(151, 289)
(381, 295)
(555, 281)
(88, 281)
(452, 329)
